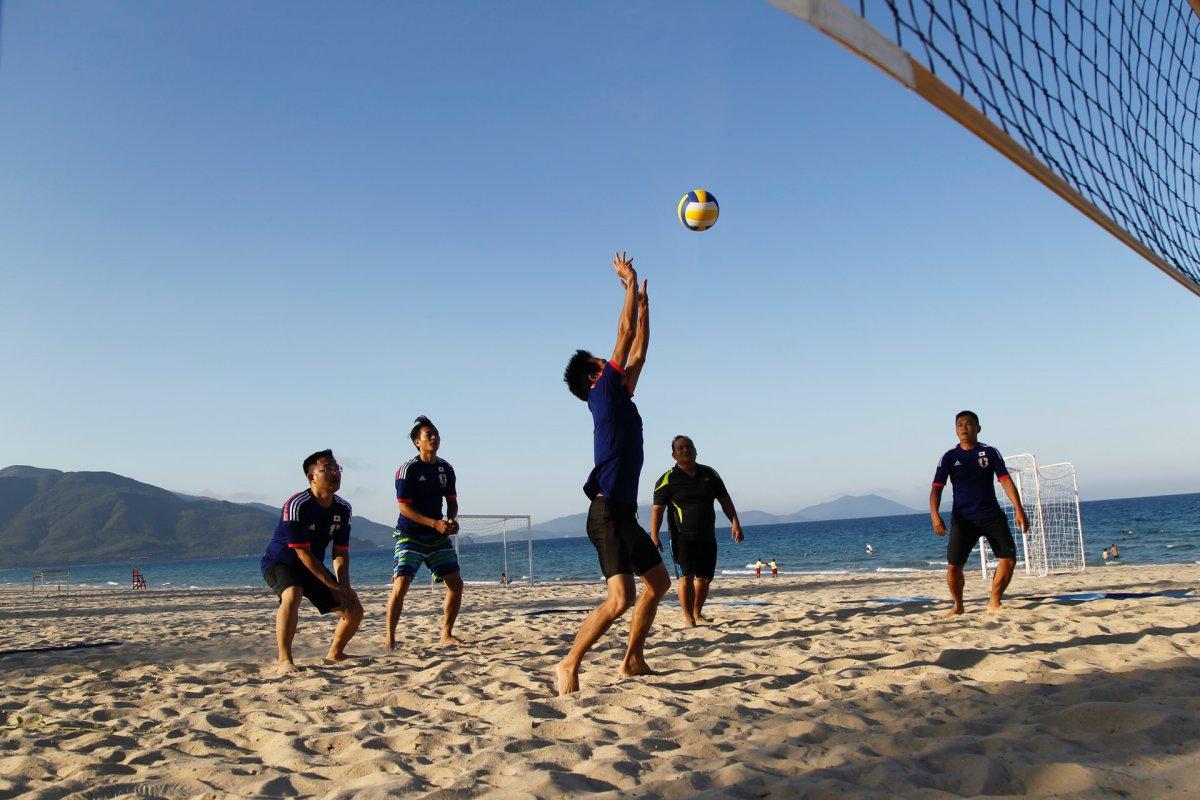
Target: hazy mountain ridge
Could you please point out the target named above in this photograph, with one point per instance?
(49, 517)
(845, 507)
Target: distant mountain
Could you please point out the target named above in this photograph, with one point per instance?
(847, 507)
(856, 506)
(576, 524)
(51, 518)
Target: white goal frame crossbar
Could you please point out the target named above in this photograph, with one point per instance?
(528, 527)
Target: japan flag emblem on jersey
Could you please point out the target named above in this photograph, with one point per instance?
(983, 460)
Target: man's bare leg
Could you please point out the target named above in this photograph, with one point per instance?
(599, 620)
(454, 594)
(395, 605)
(701, 590)
(1000, 581)
(955, 580)
(687, 600)
(285, 622)
(657, 585)
(346, 628)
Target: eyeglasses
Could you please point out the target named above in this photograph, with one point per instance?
(336, 469)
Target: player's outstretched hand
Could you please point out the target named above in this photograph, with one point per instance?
(623, 265)
(643, 297)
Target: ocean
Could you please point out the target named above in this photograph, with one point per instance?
(1149, 530)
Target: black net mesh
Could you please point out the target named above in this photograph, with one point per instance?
(1103, 92)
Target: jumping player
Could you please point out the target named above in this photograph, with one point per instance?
(422, 535)
(686, 493)
(294, 564)
(970, 466)
(623, 547)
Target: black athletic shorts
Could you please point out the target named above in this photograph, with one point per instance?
(281, 576)
(696, 554)
(622, 544)
(965, 533)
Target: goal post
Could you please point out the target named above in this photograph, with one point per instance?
(492, 547)
(1050, 498)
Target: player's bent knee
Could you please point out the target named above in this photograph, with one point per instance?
(291, 597)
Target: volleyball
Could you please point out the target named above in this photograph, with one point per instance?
(698, 210)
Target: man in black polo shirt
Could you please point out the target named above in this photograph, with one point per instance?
(686, 493)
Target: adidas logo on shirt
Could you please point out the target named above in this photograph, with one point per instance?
(421, 478)
(958, 463)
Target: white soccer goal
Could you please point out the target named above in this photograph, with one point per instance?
(493, 545)
(1050, 498)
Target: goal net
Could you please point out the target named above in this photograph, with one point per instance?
(495, 548)
(1097, 99)
(1050, 498)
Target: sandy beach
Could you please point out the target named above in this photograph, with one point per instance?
(802, 687)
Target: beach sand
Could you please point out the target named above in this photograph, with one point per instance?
(812, 691)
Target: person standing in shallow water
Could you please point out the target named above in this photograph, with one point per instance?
(971, 466)
(623, 548)
(294, 564)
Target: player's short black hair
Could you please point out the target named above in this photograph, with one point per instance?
(420, 422)
(578, 374)
(681, 436)
(965, 413)
(312, 460)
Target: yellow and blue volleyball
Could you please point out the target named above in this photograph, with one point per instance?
(698, 210)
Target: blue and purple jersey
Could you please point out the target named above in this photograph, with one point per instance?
(617, 438)
(422, 485)
(972, 472)
(304, 524)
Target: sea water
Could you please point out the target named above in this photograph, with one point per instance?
(1149, 530)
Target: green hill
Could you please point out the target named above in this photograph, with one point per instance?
(50, 518)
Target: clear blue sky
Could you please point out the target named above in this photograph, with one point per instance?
(234, 233)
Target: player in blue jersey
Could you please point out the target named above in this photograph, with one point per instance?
(972, 466)
(294, 564)
(623, 547)
(422, 535)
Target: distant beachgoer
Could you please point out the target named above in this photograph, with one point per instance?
(624, 549)
(422, 535)
(294, 564)
(970, 466)
(758, 565)
(870, 549)
(1116, 552)
(1104, 554)
(504, 579)
(774, 568)
(689, 490)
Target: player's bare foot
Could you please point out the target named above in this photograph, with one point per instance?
(636, 667)
(688, 622)
(281, 668)
(994, 606)
(954, 612)
(566, 680)
(390, 643)
(333, 658)
(702, 620)
(451, 640)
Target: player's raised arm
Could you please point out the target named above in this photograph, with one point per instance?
(641, 339)
(626, 324)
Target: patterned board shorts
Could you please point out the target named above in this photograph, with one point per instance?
(414, 549)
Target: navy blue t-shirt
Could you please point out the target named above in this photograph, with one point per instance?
(305, 525)
(617, 446)
(423, 485)
(972, 472)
